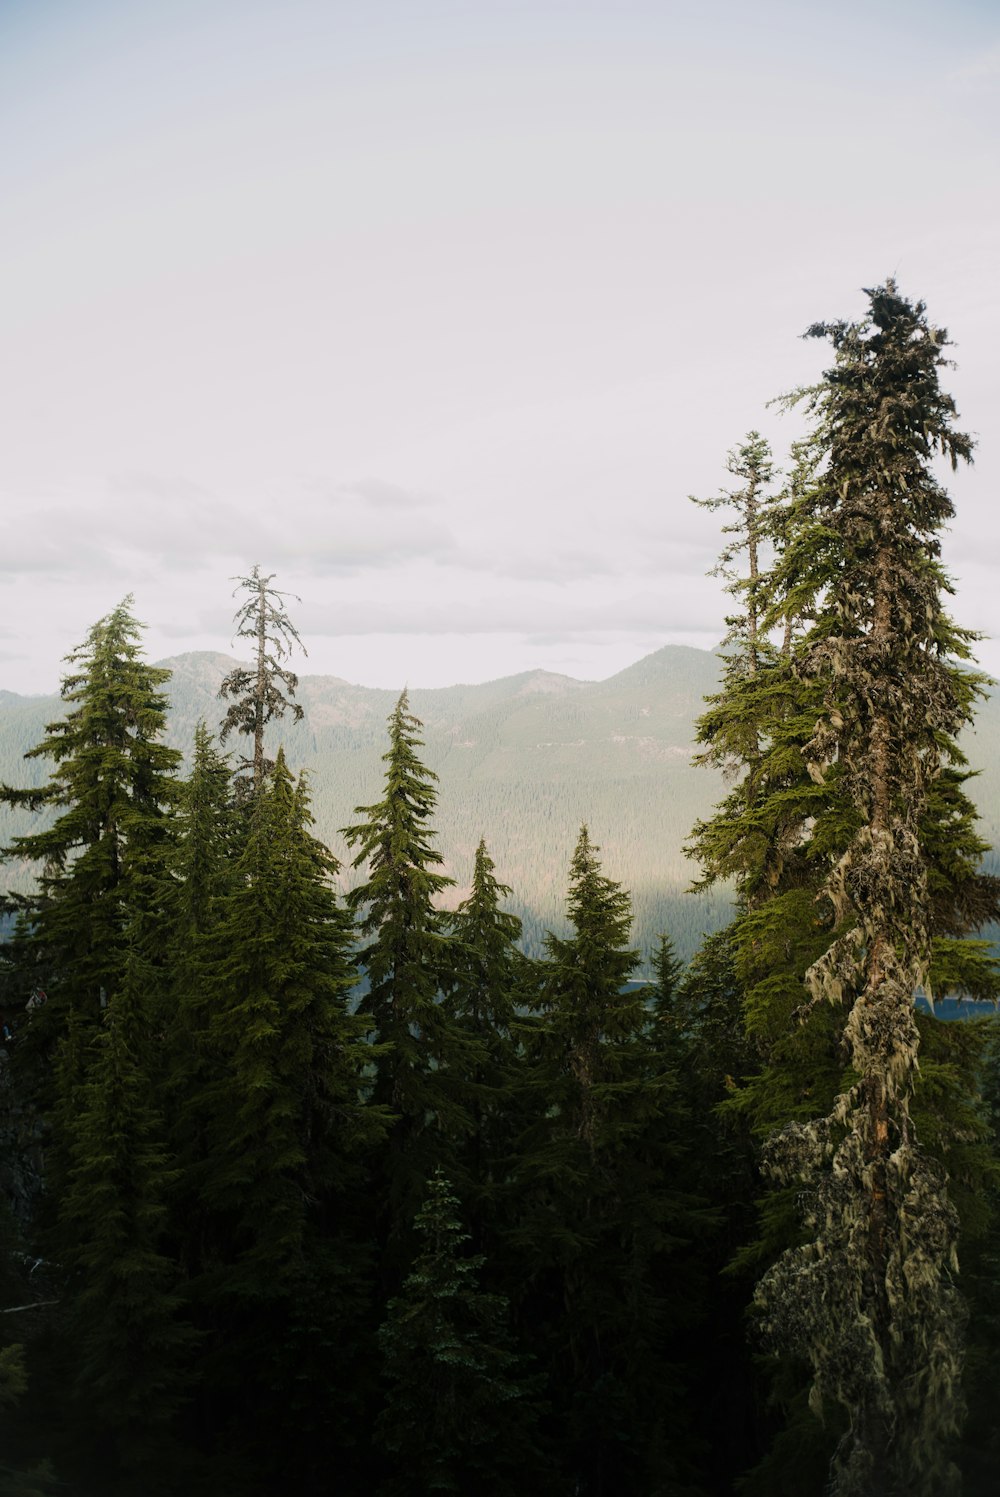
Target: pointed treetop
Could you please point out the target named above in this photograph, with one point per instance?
(264, 689)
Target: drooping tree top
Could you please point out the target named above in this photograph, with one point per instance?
(262, 690)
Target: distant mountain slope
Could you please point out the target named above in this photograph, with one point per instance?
(522, 761)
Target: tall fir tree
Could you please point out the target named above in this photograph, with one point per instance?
(854, 849)
(123, 1301)
(460, 1411)
(284, 1136)
(203, 875)
(112, 788)
(104, 855)
(264, 689)
(491, 980)
(891, 1352)
(607, 1207)
(754, 532)
(423, 1059)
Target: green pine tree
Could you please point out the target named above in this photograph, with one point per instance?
(856, 860)
(203, 876)
(285, 1136)
(123, 1301)
(755, 530)
(460, 1412)
(423, 1060)
(608, 1205)
(490, 981)
(112, 788)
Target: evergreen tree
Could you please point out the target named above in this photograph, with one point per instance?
(459, 1411)
(490, 978)
(890, 1353)
(857, 865)
(205, 844)
(125, 1309)
(263, 690)
(203, 876)
(285, 1136)
(422, 1060)
(665, 991)
(607, 1205)
(754, 529)
(717, 1062)
(112, 787)
(96, 909)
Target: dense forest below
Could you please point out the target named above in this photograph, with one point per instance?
(373, 1119)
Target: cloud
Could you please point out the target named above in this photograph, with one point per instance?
(551, 618)
(981, 68)
(58, 546)
(138, 522)
(377, 493)
(607, 554)
(353, 544)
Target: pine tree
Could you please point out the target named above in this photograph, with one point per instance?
(856, 858)
(103, 864)
(490, 979)
(891, 1352)
(422, 1062)
(459, 1411)
(124, 1306)
(263, 690)
(755, 530)
(205, 843)
(607, 1207)
(285, 1099)
(112, 788)
(668, 970)
(285, 1137)
(203, 877)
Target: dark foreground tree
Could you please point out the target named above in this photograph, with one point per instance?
(459, 1413)
(283, 1134)
(125, 1319)
(262, 690)
(606, 1204)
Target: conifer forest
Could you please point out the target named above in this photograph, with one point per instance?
(323, 1193)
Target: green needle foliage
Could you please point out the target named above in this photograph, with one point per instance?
(131, 1345)
(857, 868)
(284, 1100)
(279, 1119)
(606, 1206)
(460, 1412)
(490, 981)
(890, 1353)
(112, 787)
(754, 530)
(422, 1060)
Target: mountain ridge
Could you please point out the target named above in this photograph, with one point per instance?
(522, 760)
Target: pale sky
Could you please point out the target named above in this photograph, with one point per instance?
(439, 311)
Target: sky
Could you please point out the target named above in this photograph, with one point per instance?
(440, 311)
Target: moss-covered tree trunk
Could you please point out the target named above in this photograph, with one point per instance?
(870, 1302)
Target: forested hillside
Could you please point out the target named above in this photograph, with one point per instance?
(523, 762)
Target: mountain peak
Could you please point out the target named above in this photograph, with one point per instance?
(548, 682)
